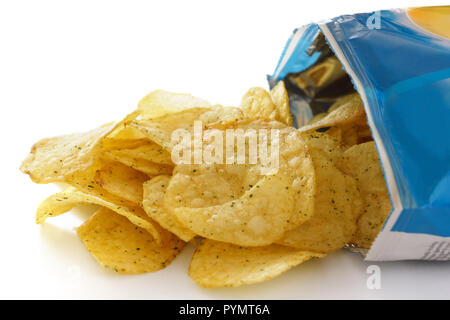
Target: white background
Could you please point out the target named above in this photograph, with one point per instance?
(71, 66)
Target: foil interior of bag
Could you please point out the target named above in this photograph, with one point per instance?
(315, 89)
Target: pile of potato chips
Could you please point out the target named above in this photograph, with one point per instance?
(328, 192)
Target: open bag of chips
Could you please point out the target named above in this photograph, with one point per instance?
(398, 62)
(289, 175)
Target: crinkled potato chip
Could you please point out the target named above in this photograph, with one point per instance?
(259, 217)
(280, 98)
(325, 144)
(160, 102)
(218, 264)
(258, 103)
(53, 159)
(362, 162)
(118, 244)
(153, 204)
(62, 202)
(159, 130)
(337, 206)
(325, 72)
(121, 181)
(349, 112)
(221, 202)
(376, 208)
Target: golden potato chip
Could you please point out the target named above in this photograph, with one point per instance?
(231, 203)
(280, 98)
(218, 264)
(325, 72)
(362, 162)
(352, 111)
(148, 167)
(259, 217)
(62, 202)
(337, 206)
(257, 103)
(121, 181)
(325, 144)
(153, 204)
(118, 244)
(159, 130)
(160, 102)
(375, 211)
(53, 159)
(212, 184)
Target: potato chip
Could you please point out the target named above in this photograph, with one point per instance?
(376, 208)
(218, 264)
(53, 159)
(62, 202)
(325, 144)
(351, 111)
(148, 167)
(337, 206)
(280, 98)
(212, 184)
(258, 103)
(159, 130)
(325, 72)
(160, 102)
(118, 244)
(231, 203)
(153, 204)
(259, 217)
(362, 162)
(121, 181)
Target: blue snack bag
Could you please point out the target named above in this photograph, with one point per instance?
(399, 63)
